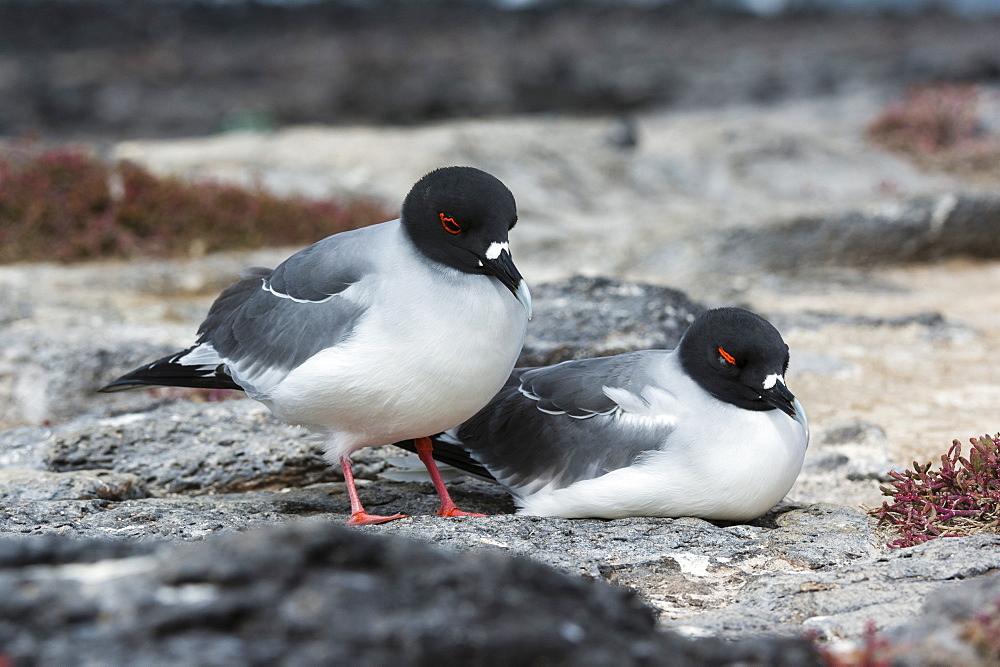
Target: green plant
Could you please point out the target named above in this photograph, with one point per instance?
(961, 498)
(64, 204)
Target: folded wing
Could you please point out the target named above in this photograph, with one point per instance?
(262, 327)
(553, 426)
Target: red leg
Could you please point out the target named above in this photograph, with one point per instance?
(448, 508)
(359, 517)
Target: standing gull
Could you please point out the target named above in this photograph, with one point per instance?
(706, 430)
(389, 332)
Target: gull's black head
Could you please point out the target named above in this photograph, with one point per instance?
(740, 358)
(460, 217)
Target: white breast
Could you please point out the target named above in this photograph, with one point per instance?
(432, 349)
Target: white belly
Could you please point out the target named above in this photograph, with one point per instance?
(737, 469)
(415, 365)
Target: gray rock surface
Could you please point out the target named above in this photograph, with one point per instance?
(839, 602)
(957, 625)
(919, 230)
(682, 567)
(846, 463)
(801, 567)
(22, 484)
(178, 446)
(54, 380)
(174, 469)
(594, 317)
(192, 518)
(313, 593)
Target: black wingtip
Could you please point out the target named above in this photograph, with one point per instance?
(453, 455)
(119, 385)
(166, 372)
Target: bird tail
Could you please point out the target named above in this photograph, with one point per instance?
(198, 366)
(447, 451)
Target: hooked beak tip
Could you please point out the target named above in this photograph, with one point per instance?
(523, 295)
(501, 266)
(800, 414)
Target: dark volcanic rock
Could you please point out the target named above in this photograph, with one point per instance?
(35, 485)
(593, 317)
(197, 517)
(158, 518)
(312, 593)
(179, 446)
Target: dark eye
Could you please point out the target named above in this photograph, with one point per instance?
(726, 357)
(449, 224)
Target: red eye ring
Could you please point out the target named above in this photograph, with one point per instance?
(728, 357)
(449, 224)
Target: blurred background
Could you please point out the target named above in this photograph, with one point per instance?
(157, 68)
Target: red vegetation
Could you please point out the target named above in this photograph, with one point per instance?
(63, 204)
(941, 126)
(983, 632)
(961, 498)
(874, 651)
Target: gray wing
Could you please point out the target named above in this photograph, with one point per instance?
(271, 321)
(557, 425)
(576, 388)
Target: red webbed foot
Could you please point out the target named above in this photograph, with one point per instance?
(363, 518)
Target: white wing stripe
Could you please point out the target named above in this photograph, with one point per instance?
(266, 286)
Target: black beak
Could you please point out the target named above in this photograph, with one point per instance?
(502, 267)
(779, 397)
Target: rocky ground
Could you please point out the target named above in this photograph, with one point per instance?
(860, 259)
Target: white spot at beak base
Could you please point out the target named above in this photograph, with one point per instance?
(496, 248)
(772, 380)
